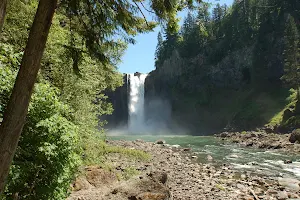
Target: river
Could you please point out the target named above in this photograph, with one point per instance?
(246, 160)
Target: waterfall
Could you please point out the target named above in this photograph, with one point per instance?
(136, 109)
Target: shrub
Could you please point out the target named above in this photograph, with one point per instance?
(47, 157)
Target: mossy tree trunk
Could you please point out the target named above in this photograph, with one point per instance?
(16, 111)
(3, 4)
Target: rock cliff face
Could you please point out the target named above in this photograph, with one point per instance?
(119, 100)
(206, 98)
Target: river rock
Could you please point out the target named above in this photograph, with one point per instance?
(224, 135)
(160, 142)
(209, 158)
(282, 195)
(153, 196)
(139, 140)
(287, 162)
(187, 149)
(240, 186)
(292, 184)
(243, 176)
(295, 136)
(161, 177)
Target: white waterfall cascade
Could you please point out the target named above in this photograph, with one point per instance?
(136, 110)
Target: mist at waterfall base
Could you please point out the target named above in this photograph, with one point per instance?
(145, 117)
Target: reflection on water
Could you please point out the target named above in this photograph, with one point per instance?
(269, 163)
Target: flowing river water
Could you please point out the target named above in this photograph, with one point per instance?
(244, 159)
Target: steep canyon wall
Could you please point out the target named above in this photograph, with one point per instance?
(206, 98)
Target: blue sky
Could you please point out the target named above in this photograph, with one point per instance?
(140, 57)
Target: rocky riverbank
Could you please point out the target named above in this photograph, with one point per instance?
(173, 173)
(263, 140)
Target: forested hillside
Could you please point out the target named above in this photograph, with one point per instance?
(235, 67)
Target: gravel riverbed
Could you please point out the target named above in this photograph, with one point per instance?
(175, 173)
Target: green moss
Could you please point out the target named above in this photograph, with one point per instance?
(289, 103)
(129, 172)
(294, 121)
(96, 152)
(220, 187)
(133, 153)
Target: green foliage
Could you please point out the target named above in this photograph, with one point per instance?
(97, 152)
(129, 172)
(288, 103)
(48, 154)
(19, 17)
(99, 22)
(7, 77)
(136, 154)
(291, 54)
(9, 60)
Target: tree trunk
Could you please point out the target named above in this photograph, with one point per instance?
(297, 108)
(16, 111)
(3, 4)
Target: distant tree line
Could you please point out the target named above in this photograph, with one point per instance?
(271, 26)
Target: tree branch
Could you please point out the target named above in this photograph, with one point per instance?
(141, 13)
(146, 8)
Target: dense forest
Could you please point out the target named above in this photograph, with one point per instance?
(233, 67)
(56, 61)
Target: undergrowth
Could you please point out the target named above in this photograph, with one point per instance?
(290, 103)
(97, 152)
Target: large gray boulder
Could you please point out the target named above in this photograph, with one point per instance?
(295, 136)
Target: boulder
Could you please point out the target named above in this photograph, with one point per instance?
(209, 158)
(224, 135)
(147, 188)
(160, 142)
(288, 162)
(291, 184)
(269, 129)
(187, 149)
(98, 177)
(295, 136)
(161, 177)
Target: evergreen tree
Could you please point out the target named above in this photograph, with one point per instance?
(188, 25)
(159, 49)
(203, 13)
(203, 23)
(291, 55)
